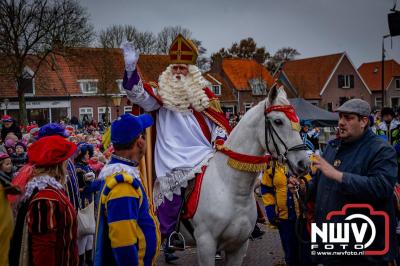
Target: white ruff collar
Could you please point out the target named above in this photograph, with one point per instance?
(41, 182)
(111, 169)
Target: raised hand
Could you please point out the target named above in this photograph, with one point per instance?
(131, 56)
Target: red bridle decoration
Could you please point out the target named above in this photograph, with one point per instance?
(290, 113)
(243, 162)
(251, 163)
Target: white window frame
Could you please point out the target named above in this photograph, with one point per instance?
(102, 110)
(346, 84)
(83, 111)
(247, 106)
(127, 109)
(30, 72)
(85, 81)
(218, 87)
(376, 101)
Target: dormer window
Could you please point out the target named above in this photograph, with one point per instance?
(88, 86)
(258, 86)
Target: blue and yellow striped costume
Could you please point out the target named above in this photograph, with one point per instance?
(282, 209)
(127, 229)
(275, 193)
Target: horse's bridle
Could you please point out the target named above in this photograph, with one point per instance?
(271, 134)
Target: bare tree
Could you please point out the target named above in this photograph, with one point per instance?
(145, 42)
(32, 29)
(113, 36)
(107, 73)
(167, 35)
(281, 56)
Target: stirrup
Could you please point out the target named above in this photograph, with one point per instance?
(176, 241)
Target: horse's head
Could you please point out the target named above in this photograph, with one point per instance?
(280, 133)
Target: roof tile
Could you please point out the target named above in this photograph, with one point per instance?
(309, 75)
(240, 71)
(372, 74)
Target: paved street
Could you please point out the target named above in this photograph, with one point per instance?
(265, 251)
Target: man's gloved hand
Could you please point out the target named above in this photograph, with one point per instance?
(89, 176)
(131, 56)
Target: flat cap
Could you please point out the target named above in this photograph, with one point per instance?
(355, 106)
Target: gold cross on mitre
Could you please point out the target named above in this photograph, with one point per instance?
(183, 51)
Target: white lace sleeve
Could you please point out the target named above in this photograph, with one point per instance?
(140, 97)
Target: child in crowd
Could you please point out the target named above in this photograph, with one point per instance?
(19, 158)
(6, 167)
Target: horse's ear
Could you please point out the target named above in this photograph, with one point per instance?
(282, 92)
(272, 94)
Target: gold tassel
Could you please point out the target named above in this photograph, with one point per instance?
(248, 167)
(214, 104)
(153, 84)
(296, 126)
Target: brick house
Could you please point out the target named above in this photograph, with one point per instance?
(79, 84)
(240, 83)
(326, 81)
(46, 94)
(99, 75)
(372, 74)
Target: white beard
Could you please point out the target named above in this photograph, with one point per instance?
(181, 94)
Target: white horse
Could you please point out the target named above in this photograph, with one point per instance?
(226, 213)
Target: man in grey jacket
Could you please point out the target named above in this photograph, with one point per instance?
(357, 168)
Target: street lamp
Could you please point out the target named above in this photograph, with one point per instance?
(6, 102)
(117, 102)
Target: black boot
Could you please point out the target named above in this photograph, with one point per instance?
(88, 258)
(169, 254)
(82, 260)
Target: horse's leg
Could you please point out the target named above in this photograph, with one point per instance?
(235, 257)
(206, 249)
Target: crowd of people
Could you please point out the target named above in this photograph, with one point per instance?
(32, 152)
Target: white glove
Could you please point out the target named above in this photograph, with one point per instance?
(89, 176)
(131, 56)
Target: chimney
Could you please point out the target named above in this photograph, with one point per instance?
(216, 64)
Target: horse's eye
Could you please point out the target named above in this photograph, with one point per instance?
(278, 122)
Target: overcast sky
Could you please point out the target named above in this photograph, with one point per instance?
(313, 27)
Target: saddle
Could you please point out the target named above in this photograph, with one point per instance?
(192, 195)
